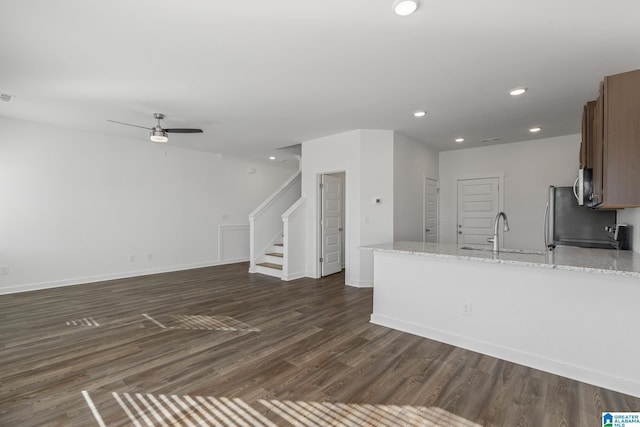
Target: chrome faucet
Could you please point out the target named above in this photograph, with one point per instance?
(494, 239)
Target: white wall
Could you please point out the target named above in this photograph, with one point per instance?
(412, 163)
(366, 157)
(77, 206)
(529, 169)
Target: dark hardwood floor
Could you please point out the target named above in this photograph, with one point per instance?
(219, 346)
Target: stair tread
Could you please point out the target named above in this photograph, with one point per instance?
(279, 244)
(279, 255)
(271, 265)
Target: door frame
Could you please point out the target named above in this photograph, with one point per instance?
(345, 226)
(485, 175)
(424, 207)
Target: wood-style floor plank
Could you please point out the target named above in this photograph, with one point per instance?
(310, 357)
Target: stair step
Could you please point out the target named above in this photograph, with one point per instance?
(279, 244)
(270, 265)
(279, 255)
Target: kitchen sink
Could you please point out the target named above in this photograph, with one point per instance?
(508, 251)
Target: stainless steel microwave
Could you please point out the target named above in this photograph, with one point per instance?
(583, 188)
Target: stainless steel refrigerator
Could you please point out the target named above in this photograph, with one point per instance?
(569, 224)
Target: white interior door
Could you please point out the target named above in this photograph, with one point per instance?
(430, 210)
(478, 205)
(331, 226)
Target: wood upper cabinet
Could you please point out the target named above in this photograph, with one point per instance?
(596, 149)
(588, 133)
(616, 142)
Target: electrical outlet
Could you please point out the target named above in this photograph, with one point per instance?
(466, 309)
(132, 258)
(4, 269)
(149, 256)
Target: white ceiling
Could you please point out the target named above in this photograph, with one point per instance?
(258, 75)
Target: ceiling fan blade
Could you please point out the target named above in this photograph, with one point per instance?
(183, 130)
(128, 124)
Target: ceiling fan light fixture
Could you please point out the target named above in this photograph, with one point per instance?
(159, 136)
(405, 7)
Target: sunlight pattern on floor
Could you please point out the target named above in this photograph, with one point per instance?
(218, 323)
(312, 414)
(146, 410)
(87, 321)
(162, 410)
(209, 323)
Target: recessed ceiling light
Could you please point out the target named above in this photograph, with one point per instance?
(419, 113)
(535, 129)
(459, 140)
(517, 91)
(405, 7)
(272, 158)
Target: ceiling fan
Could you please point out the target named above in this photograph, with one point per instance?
(158, 133)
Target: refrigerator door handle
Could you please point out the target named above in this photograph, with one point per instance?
(549, 220)
(546, 226)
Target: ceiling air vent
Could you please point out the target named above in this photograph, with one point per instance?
(6, 98)
(495, 138)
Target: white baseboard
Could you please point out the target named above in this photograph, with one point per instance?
(359, 284)
(293, 276)
(100, 278)
(537, 362)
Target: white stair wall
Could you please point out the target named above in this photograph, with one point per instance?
(294, 239)
(266, 220)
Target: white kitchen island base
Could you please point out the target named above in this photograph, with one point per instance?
(578, 324)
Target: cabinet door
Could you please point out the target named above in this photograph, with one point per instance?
(621, 149)
(588, 133)
(583, 143)
(596, 152)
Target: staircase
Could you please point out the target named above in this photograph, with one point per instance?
(273, 260)
(277, 230)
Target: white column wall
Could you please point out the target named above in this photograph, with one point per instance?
(77, 206)
(335, 153)
(376, 181)
(366, 157)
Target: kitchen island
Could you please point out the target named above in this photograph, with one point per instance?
(574, 312)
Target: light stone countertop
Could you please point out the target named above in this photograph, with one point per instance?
(604, 261)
